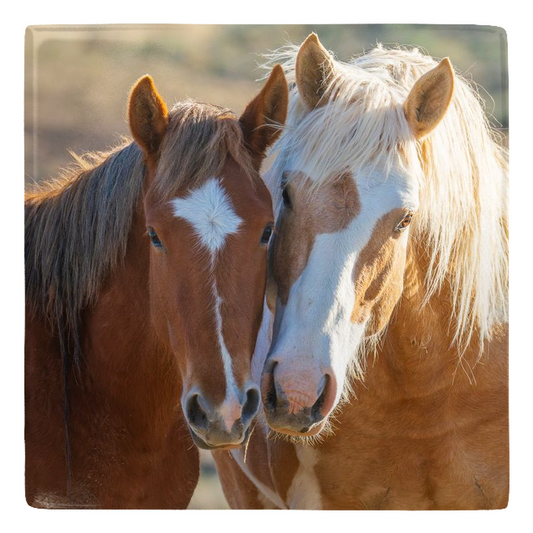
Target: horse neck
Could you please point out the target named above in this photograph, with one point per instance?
(418, 350)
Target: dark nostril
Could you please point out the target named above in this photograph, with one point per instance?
(316, 413)
(251, 405)
(268, 387)
(270, 398)
(196, 415)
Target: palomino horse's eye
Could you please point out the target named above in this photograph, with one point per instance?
(154, 238)
(406, 220)
(286, 198)
(267, 233)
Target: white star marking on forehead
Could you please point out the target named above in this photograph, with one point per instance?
(208, 209)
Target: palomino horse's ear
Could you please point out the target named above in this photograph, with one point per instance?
(148, 115)
(314, 70)
(264, 116)
(429, 99)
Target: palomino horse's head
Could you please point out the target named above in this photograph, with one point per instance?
(339, 252)
(208, 223)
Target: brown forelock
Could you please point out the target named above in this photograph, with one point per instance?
(378, 273)
(198, 141)
(328, 208)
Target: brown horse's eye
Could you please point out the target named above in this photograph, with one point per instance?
(406, 220)
(267, 233)
(154, 238)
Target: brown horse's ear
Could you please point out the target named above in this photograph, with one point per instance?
(429, 99)
(264, 116)
(314, 71)
(148, 115)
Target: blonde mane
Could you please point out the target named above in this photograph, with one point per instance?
(461, 168)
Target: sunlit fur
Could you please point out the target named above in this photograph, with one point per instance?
(111, 433)
(463, 199)
(414, 432)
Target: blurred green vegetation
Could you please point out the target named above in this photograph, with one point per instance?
(78, 78)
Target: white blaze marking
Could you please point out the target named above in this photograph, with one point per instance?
(209, 211)
(231, 386)
(316, 320)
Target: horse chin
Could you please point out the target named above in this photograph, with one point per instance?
(204, 445)
(312, 432)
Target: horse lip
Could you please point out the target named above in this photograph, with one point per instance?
(203, 445)
(312, 430)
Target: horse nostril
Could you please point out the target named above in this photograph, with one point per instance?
(316, 413)
(270, 398)
(251, 404)
(196, 415)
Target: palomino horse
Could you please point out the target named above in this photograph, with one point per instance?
(145, 277)
(388, 358)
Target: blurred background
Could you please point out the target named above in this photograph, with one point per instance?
(77, 81)
(78, 77)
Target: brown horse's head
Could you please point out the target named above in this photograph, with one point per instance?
(208, 222)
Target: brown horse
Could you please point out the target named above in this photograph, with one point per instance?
(387, 359)
(145, 277)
